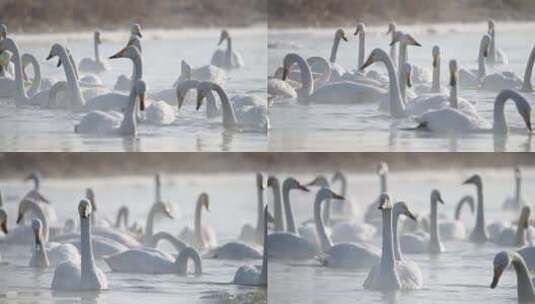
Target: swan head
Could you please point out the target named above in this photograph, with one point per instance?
(402, 208)
(326, 193)
(382, 168)
(338, 176)
(37, 227)
(3, 220)
(436, 55)
(25, 205)
(185, 70)
(361, 28)
(223, 36)
(384, 201)
(3, 31)
(84, 209)
(97, 37)
(404, 38)
(55, 51)
(518, 173)
(202, 91)
(35, 175)
(406, 71)
(292, 183)
(163, 208)
(436, 196)
(391, 28)
(204, 201)
(139, 88)
(273, 181)
(135, 30)
(320, 181)
(453, 72)
(375, 56)
(501, 262)
(129, 51)
(90, 195)
(491, 25)
(475, 180)
(522, 105)
(260, 181)
(340, 34)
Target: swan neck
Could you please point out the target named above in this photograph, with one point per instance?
(229, 116)
(393, 48)
(362, 47)
(36, 83)
(500, 122)
(306, 77)
(260, 214)
(435, 85)
(492, 47)
(88, 261)
(454, 98)
(481, 68)
(229, 51)
(290, 221)
(435, 238)
(325, 241)
(149, 227)
(72, 80)
(526, 85)
(20, 96)
(277, 208)
(395, 236)
(397, 109)
(334, 49)
(524, 285)
(129, 123)
(97, 53)
(197, 230)
(480, 216)
(387, 257)
(39, 213)
(264, 271)
(384, 183)
(518, 191)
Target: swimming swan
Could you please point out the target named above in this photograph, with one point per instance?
(83, 275)
(496, 55)
(203, 236)
(450, 120)
(226, 59)
(123, 82)
(254, 234)
(455, 229)
(473, 78)
(46, 254)
(154, 261)
(97, 65)
(525, 291)
(480, 233)
(516, 201)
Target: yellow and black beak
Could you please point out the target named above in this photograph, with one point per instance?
(200, 98)
(337, 196)
(20, 217)
(497, 274)
(411, 215)
(435, 60)
(3, 226)
(118, 54)
(142, 102)
(453, 78)
(409, 80)
(368, 62)
(344, 37)
(526, 115)
(284, 73)
(302, 187)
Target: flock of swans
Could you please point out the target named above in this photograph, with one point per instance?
(406, 90)
(73, 248)
(341, 237)
(122, 109)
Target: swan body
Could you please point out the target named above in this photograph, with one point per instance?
(496, 55)
(454, 121)
(287, 246)
(235, 251)
(84, 274)
(98, 122)
(45, 254)
(160, 113)
(226, 59)
(455, 230)
(205, 73)
(154, 261)
(281, 89)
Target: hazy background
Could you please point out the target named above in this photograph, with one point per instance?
(91, 164)
(55, 15)
(286, 13)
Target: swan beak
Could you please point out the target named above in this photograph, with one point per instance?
(344, 37)
(497, 274)
(304, 188)
(527, 119)
(435, 60)
(390, 29)
(269, 217)
(19, 218)
(118, 55)
(50, 56)
(180, 100)
(368, 62)
(169, 214)
(284, 74)
(142, 101)
(200, 98)
(453, 79)
(337, 196)
(4, 227)
(412, 216)
(356, 32)
(59, 63)
(409, 81)
(469, 181)
(415, 43)
(440, 200)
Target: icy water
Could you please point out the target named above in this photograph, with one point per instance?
(362, 127)
(163, 50)
(19, 283)
(462, 274)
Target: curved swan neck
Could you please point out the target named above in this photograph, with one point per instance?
(500, 122)
(397, 109)
(466, 199)
(277, 206)
(395, 236)
(36, 83)
(149, 227)
(122, 215)
(129, 123)
(334, 49)
(39, 213)
(20, 96)
(526, 85)
(325, 241)
(290, 221)
(229, 116)
(86, 247)
(525, 288)
(306, 75)
(72, 79)
(362, 46)
(182, 261)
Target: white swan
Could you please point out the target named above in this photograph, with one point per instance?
(202, 236)
(340, 255)
(159, 113)
(205, 73)
(154, 261)
(480, 233)
(23, 234)
(496, 55)
(525, 291)
(455, 229)
(337, 71)
(250, 114)
(117, 101)
(450, 120)
(46, 254)
(515, 202)
(97, 65)
(435, 86)
(392, 30)
(428, 102)
(405, 40)
(344, 92)
(83, 275)
(343, 209)
(388, 275)
(515, 236)
(278, 213)
(414, 243)
(370, 216)
(254, 234)
(98, 122)
(158, 208)
(472, 78)
(235, 251)
(226, 59)
(250, 275)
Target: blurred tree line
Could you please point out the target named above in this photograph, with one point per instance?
(25, 14)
